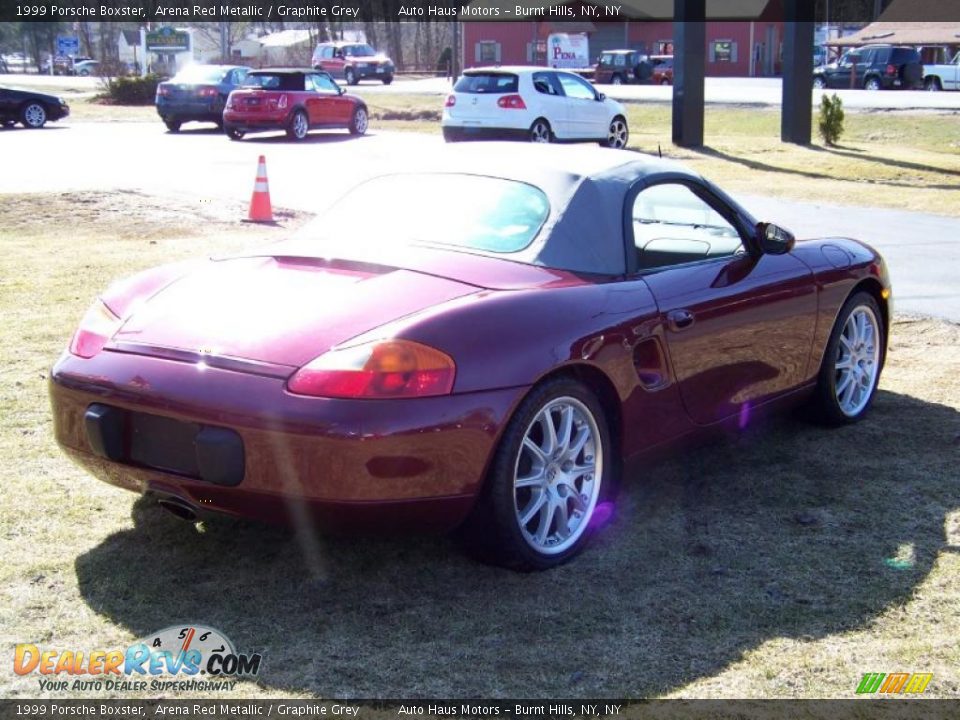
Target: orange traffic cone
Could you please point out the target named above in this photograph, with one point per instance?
(260, 209)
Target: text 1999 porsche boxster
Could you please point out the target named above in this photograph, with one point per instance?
(484, 352)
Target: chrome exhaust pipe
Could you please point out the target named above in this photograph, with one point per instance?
(179, 508)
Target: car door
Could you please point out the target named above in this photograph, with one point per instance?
(738, 324)
(952, 76)
(334, 108)
(840, 76)
(333, 61)
(586, 115)
(551, 103)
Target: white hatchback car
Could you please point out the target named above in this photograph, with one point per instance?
(533, 103)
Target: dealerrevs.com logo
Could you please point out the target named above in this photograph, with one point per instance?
(171, 659)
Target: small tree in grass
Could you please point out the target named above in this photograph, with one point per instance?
(831, 119)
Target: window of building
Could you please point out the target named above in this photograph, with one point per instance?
(487, 52)
(723, 51)
(664, 47)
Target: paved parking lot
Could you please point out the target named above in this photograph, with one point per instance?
(204, 166)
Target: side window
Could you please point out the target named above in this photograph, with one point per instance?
(327, 53)
(673, 225)
(574, 87)
(324, 85)
(542, 82)
(239, 76)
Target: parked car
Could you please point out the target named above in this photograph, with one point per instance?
(872, 67)
(621, 67)
(944, 76)
(293, 100)
(31, 109)
(198, 93)
(479, 352)
(662, 69)
(530, 103)
(84, 68)
(353, 62)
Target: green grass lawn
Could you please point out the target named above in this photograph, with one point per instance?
(784, 562)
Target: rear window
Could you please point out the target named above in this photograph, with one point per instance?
(275, 81)
(200, 73)
(492, 83)
(904, 55)
(474, 212)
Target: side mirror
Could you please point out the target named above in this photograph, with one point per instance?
(774, 240)
(601, 97)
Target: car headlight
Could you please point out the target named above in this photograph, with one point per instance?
(96, 328)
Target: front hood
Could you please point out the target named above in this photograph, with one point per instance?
(277, 310)
(32, 95)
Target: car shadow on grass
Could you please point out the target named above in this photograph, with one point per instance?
(786, 530)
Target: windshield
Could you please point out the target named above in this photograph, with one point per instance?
(200, 73)
(444, 209)
(358, 50)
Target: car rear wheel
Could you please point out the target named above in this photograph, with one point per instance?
(552, 469)
(665, 81)
(617, 79)
(618, 134)
(33, 115)
(359, 121)
(819, 83)
(173, 125)
(852, 362)
(872, 84)
(540, 131)
(387, 79)
(350, 76)
(932, 84)
(297, 130)
(233, 133)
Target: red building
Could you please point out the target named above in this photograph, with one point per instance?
(741, 48)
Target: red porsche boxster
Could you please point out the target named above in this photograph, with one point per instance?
(485, 352)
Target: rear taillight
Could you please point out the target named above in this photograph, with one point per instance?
(512, 102)
(96, 328)
(381, 369)
(891, 69)
(208, 92)
(451, 101)
(163, 90)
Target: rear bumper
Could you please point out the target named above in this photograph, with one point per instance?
(455, 133)
(250, 122)
(211, 111)
(352, 465)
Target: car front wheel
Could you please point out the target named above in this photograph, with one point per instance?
(540, 132)
(872, 84)
(350, 76)
(359, 121)
(552, 469)
(850, 370)
(297, 129)
(233, 133)
(618, 134)
(819, 83)
(387, 79)
(33, 115)
(616, 80)
(173, 125)
(932, 84)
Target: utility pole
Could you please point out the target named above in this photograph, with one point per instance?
(224, 43)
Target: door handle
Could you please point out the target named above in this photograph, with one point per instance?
(679, 319)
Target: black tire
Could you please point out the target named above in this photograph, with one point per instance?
(173, 125)
(8, 123)
(494, 532)
(233, 133)
(872, 83)
(819, 83)
(932, 84)
(665, 81)
(825, 407)
(33, 115)
(617, 79)
(298, 126)
(618, 135)
(540, 131)
(387, 79)
(360, 121)
(350, 76)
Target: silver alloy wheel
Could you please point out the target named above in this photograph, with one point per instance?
(300, 126)
(557, 476)
(618, 134)
(819, 83)
(858, 360)
(360, 121)
(540, 132)
(872, 84)
(34, 115)
(617, 80)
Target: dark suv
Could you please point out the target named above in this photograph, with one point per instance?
(874, 67)
(622, 66)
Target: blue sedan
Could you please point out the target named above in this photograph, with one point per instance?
(198, 92)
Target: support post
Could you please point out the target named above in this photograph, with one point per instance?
(689, 41)
(797, 100)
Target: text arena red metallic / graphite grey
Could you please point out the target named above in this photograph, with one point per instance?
(485, 352)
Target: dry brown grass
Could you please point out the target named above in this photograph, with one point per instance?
(756, 567)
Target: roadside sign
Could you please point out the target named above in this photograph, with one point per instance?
(167, 39)
(68, 45)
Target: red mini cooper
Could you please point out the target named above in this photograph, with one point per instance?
(293, 100)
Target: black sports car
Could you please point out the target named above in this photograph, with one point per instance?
(32, 109)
